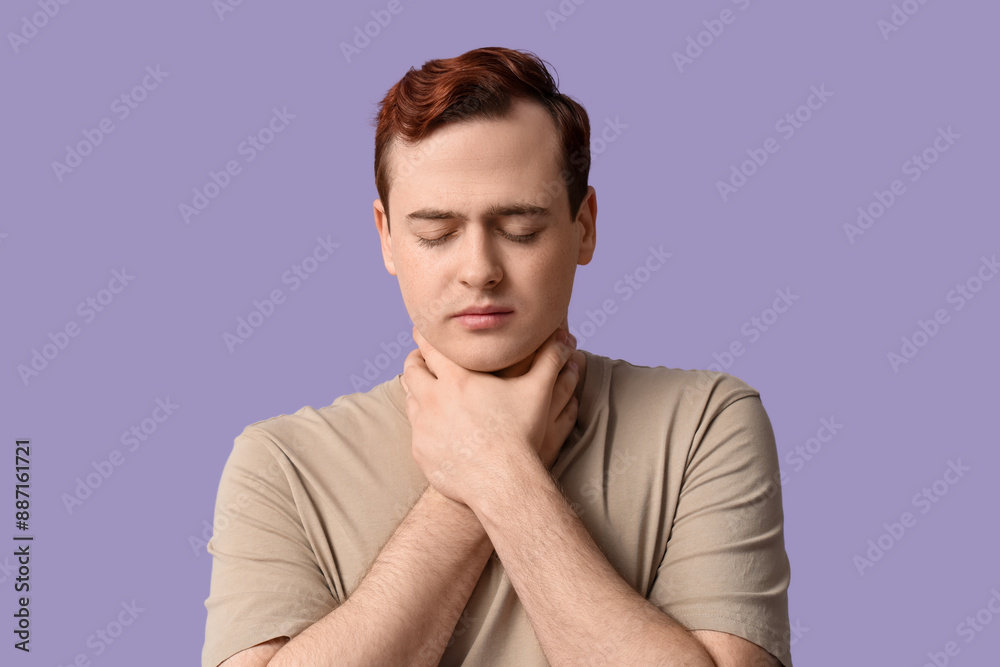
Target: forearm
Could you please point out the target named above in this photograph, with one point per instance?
(405, 609)
(580, 608)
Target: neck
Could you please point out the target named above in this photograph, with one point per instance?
(521, 367)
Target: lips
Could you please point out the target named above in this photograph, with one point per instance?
(483, 310)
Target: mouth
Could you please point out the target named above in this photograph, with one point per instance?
(484, 318)
(484, 310)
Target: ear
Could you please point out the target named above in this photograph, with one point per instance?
(381, 224)
(587, 219)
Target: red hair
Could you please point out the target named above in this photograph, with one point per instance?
(481, 83)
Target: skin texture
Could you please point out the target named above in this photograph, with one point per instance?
(489, 411)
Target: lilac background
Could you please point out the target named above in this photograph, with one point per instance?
(826, 357)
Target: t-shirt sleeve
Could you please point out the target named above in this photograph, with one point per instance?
(725, 567)
(265, 579)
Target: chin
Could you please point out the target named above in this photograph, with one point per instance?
(480, 358)
(485, 363)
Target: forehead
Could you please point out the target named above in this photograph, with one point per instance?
(509, 156)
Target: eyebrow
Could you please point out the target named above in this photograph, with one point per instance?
(494, 211)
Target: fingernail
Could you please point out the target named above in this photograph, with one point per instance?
(573, 365)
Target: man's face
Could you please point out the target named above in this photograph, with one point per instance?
(461, 188)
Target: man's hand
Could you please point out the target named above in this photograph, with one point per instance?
(468, 425)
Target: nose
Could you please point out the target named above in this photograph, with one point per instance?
(479, 260)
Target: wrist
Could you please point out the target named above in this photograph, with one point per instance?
(510, 481)
(457, 516)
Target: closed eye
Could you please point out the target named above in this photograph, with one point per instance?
(518, 238)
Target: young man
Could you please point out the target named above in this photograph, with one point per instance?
(507, 499)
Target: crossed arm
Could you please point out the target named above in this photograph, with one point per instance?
(406, 608)
(582, 612)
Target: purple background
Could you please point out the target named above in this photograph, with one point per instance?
(135, 537)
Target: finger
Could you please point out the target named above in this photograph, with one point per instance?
(436, 362)
(564, 387)
(567, 418)
(550, 358)
(428, 352)
(560, 428)
(416, 373)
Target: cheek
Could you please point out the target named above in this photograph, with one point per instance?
(411, 277)
(422, 294)
(557, 273)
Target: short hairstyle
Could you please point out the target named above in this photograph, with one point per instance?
(481, 83)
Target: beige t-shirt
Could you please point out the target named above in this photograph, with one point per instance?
(673, 472)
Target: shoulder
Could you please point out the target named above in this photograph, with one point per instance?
(310, 427)
(688, 409)
(675, 388)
